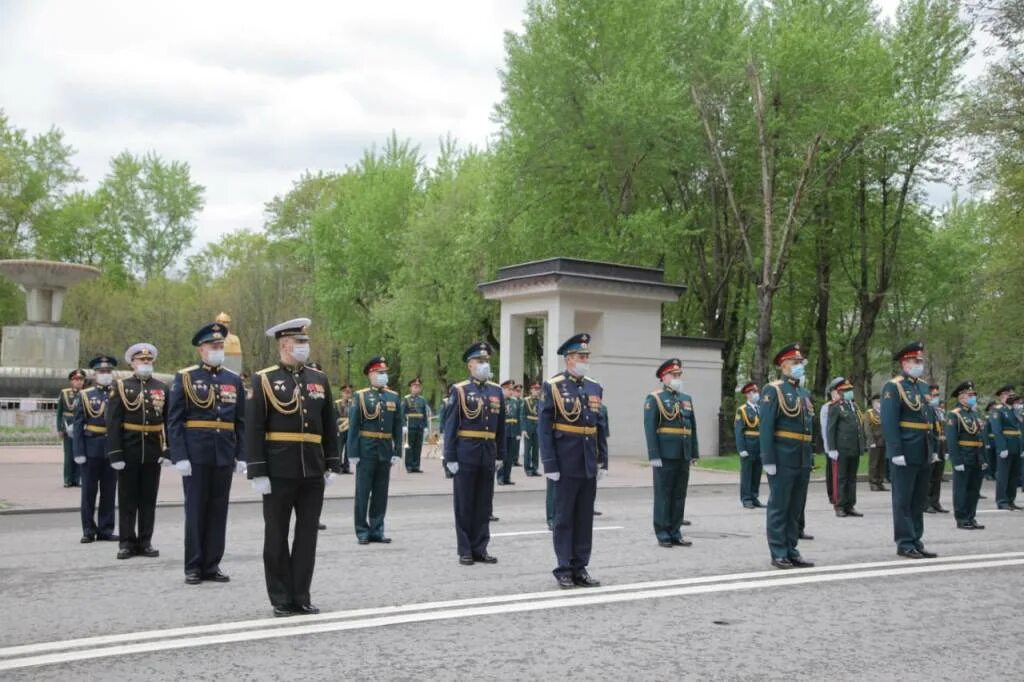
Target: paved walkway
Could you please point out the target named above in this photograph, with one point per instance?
(30, 480)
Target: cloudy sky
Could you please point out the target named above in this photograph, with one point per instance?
(251, 94)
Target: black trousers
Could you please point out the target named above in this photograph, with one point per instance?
(531, 457)
(474, 502)
(412, 453)
(206, 516)
(966, 488)
(844, 481)
(511, 451)
(98, 478)
(343, 450)
(72, 471)
(137, 486)
(830, 480)
(670, 482)
(909, 498)
(574, 523)
(289, 573)
(1007, 473)
(935, 482)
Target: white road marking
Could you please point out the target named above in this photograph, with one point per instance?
(36, 654)
(993, 511)
(545, 532)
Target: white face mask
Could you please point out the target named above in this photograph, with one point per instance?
(215, 358)
(753, 398)
(104, 378)
(916, 371)
(144, 370)
(580, 369)
(300, 352)
(877, 405)
(482, 371)
(675, 384)
(380, 379)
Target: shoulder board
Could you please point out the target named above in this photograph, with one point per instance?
(229, 370)
(655, 394)
(777, 382)
(555, 379)
(267, 369)
(893, 381)
(363, 390)
(390, 392)
(462, 383)
(188, 369)
(491, 383)
(65, 391)
(592, 380)
(955, 410)
(313, 369)
(407, 396)
(338, 400)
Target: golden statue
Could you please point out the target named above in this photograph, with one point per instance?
(232, 345)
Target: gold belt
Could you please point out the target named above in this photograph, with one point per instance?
(793, 435)
(146, 428)
(209, 424)
(1011, 432)
(511, 421)
(482, 435)
(915, 425)
(282, 437)
(413, 414)
(375, 434)
(970, 443)
(95, 428)
(569, 428)
(531, 419)
(674, 430)
(751, 433)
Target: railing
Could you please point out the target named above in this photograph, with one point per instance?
(28, 421)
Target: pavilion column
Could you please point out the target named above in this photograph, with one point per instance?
(513, 328)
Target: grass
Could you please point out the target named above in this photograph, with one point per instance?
(731, 462)
(26, 429)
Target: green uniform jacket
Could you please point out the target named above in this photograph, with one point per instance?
(375, 424)
(414, 412)
(907, 420)
(512, 423)
(66, 410)
(965, 436)
(746, 430)
(787, 422)
(670, 426)
(528, 416)
(872, 421)
(1005, 429)
(845, 432)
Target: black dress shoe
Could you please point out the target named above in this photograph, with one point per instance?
(875, 487)
(383, 541)
(798, 562)
(493, 518)
(805, 536)
(910, 553)
(283, 611)
(784, 564)
(1005, 507)
(758, 504)
(853, 512)
(321, 526)
(86, 539)
(363, 541)
(940, 509)
(306, 610)
(113, 537)
(597, 513)
(749, 505)
(682, 542)
(148, 551)
(584, 580)
(125, 553)
(565, 582)
(665, 543)
(982, 497)
(883, 489)
(841, 513)
(193, 579)
(685, 522)
(217, 577)
(966, 525)
(977, 526)
(485, 558)
(466, 560)
(1015, 507)
(926, 554)
(929, 510)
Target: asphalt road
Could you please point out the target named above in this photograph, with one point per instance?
(408, 611)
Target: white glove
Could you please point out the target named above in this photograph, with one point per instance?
(261, 484)
(900, 461)
(770, 469)
(872, 446)
(354, 461)
(452, 467)
(935, 458)
(164, 462)
(79, 460)
(241, 467)
(554, 476)
(744, 454)
(184, 467)
(1004, 454)
(329, 478)
(656, 462)
(833, 455)
(526, 436)
(601, 473)
(117, 466)
(958, 467)
(395, 460)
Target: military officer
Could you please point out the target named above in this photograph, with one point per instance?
(1006, 436)
(65, 416)
(136, 446)
(876, 444)
(671, 446)
(442, 416)
(512, 433)
(938, 467)
(374, 439)
(517, 454)
(845, 439)
(292, 450)
(206, 429)
(528, 428)
(907, 423)
(832, 396)
(414, 415)
(990, 442)
(965, 429)
(574, 449)
(787, 423)
(747, 436)
(474, 440)
(341, 408)
(89, 438)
